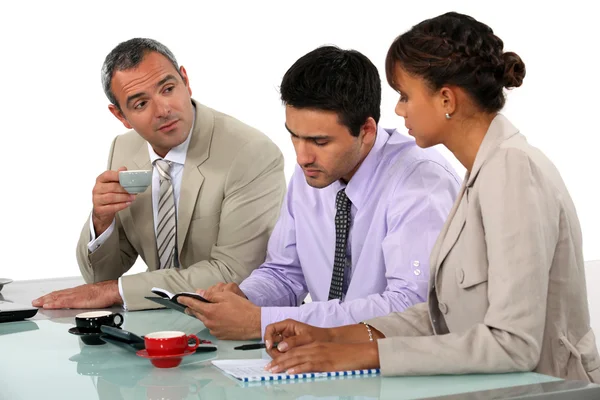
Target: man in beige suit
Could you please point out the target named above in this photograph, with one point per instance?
(215, 197)
(507, 288)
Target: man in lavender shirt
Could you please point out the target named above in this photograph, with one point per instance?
(396, 194)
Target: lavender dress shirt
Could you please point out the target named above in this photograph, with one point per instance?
(401, 196)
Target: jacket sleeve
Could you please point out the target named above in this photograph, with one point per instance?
(114, 257)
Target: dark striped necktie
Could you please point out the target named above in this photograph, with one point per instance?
(342, 228)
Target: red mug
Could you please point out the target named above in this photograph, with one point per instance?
(167, 343)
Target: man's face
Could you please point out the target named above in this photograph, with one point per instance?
(325, 149)
(155, 101)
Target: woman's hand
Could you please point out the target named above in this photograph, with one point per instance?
(324, 357)
(290, 333)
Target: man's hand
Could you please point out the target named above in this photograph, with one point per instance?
(228, 316)
(94, 295)
(222, 287)
(108, 197)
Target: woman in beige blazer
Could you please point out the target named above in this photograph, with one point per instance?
(507, 290)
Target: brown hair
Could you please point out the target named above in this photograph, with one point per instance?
(455, 49)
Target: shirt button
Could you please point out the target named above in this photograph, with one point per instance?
(416, 263)
(461, 276)
(417, 272)
(443, 308)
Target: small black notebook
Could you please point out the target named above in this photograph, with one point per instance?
(169, 299)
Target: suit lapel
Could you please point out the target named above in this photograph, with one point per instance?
(451, 230)
(192, 180)
(141, 212)
(500, 129)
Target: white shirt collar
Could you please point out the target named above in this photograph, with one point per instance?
(178, 153)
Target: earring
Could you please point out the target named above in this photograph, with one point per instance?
(448, 116)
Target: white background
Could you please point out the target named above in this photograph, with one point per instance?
(56, 128)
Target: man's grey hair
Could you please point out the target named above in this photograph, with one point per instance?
(128, 55)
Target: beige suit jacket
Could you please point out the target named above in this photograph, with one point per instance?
(507, 290)
(232, 187)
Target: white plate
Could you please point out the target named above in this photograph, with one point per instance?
(4, 281)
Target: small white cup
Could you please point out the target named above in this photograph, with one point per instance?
(135, 181)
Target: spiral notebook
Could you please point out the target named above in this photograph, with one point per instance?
(252, 370)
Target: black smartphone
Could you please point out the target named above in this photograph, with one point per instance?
(122, 343)
(121, 334)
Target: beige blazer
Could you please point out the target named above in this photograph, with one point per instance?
(232, 187)
(507, 290)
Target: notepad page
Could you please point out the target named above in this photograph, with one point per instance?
(161, 290)
(249, 370)
(245, 368)
(167, 293)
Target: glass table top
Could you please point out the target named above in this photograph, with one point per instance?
(41, 360)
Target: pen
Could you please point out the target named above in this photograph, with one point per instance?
(253, 346)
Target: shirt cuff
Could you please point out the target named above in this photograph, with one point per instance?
(121, 294)
(99, 241)
(269, 315)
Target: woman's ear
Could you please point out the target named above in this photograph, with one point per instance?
(448, 100)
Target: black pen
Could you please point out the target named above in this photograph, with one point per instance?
(253, 346)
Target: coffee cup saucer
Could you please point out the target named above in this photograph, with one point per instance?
(90, 338)
(165, 361)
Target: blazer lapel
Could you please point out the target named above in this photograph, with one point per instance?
(141, 212)
(500, 129)
(192, 180)
(449, 234)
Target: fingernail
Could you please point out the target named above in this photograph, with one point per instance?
(268, 366)
(290, 371)
(200, 292)
(282, 346)
(268, 344)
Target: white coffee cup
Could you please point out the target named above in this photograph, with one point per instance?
(135, 181)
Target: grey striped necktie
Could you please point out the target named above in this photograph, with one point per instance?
(166, 229)
(342, 228)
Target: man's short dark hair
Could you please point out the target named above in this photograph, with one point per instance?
(331, 79)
